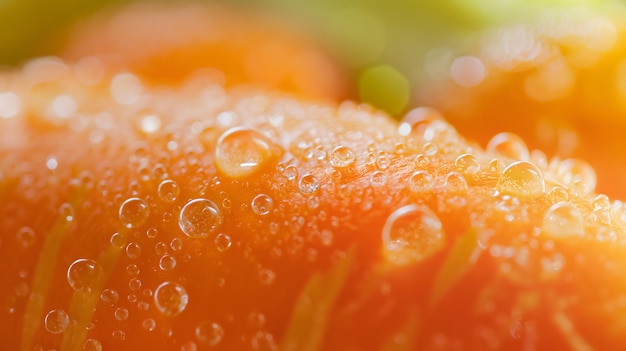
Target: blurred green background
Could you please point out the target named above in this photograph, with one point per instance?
(383, 43)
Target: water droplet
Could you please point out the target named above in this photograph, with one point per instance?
(134, 212)
(522, 179)
(266, 276)
(222, 242)
(92, 345)
(430, 149)
(26, 237)
(109, 297)
(199, 218)
(56, 321)
(209, 333)
(119, 335)
(10, 104)
(308, 183)
(134, 284)
(168, 190)
(602, 202)
(125, 88)
(291, 172)
(262, 204)
(420, 181)
(133, 250)
(176, 244)
(418, 119)
(383, 161)
(467, 164)
(557, 194)
(149, 324)
(152, 233)
(508, 145)
(170, 298)
(241, 152)
(167, 263)
(66, 211)
(83, 274)
(121, 314)
(342, 157)
(563, 219)
(378, 179)
(455, 184)
(579, 174)
(412, 234)
(117, 240)
(189, 346)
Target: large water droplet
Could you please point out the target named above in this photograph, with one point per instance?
(342, 157)
(134, 212)
(563, 219)
(199, 218)
(262, 204)
(508, 145)
(83, 274)
(168, 190)
(522, 179)
(170, 298)
(209, 333)
(241, 152)
(412, 234)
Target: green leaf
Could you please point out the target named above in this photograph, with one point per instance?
(311, 311)
(461, 257)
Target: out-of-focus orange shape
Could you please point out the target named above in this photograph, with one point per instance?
(167, 43)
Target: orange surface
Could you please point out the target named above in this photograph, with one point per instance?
(167, 43)
(556, 79)
(143, 220)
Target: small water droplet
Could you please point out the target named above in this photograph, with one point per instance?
(521, 179)
(411, 234)
(508, 145)
(241, 152)
(558, 194)
(119, 335)
(262, 205)
(266, 276)
(176, 244)
(291, 172)
(66, 211)
(455, 184)
(467, 164)
(342, 157)
(209, 333)
(170, 298)
(199, 218)
(420, 181)
(109, 297)
(308, 183)
(121, 314)
(149, 324)
(92, 345)
(133, 250)
(150, 124)
(378, 179)
(563, 219)
(430, 149)
(134, 284)
(222, 242)
(168, 190)
(383, 161)
(579, 175)
(26, 237)
(56, 321)
(152, 233)
(83, 274)
(134, 212)
(167, 263)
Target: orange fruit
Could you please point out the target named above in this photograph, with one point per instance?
(168, 43)
(556, 80)
(197, 217)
